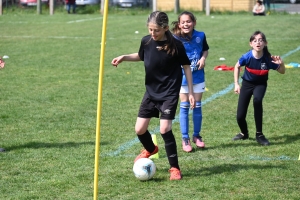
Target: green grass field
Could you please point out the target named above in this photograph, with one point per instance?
(48, 100)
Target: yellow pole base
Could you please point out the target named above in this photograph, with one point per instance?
(154, 156)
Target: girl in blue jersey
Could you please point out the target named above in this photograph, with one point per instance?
(163, 57)
(257, 62)
(197, 50)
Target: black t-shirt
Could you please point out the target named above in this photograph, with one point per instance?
(163, 71)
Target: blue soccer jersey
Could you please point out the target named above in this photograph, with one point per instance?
(256, 70)
(194, 49)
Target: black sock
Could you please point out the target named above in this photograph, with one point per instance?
(147, 142)
(171, 148)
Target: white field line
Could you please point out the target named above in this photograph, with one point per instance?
(83, 20)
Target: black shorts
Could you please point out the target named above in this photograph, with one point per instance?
(151, 108)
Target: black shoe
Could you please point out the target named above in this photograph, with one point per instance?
(241, 136)
(261, 139)
(2, 150)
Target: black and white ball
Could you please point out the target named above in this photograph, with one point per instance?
(144, 169)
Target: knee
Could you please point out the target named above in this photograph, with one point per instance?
(165, 128)
(240, 118)
(140, 130)
(257, 101)
(185, 105)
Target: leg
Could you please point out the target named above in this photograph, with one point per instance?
(170, 142)
(197, 121)
(74, 7)
(184, 117)
(243, 103)
(184, 122)
(143, 134)
(258, 95)
(171, 149)
(145, 138)
(68, 7)
(146, 112)
(168, 136)
(197, 115)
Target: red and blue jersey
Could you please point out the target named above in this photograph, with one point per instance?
(256, 70)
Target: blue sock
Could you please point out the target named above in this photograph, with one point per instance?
(197, 118)
(184, 119)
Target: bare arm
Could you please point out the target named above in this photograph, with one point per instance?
(236, 74)
(201, 62)
(189, 78)
(129, 57)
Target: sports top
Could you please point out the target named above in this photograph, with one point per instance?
(256, 69)
(163, 73)
(194, 49)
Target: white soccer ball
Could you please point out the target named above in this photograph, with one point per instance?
(144, 169)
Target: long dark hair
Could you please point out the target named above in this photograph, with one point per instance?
(265, 50)
(161, 19)
(176, 30)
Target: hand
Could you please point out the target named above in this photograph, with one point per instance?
(201, 63)
(276, 60)
(237, 88)
(117, 61)
(192, 101)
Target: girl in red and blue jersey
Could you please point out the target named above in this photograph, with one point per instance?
(197, 50)
(258, 61)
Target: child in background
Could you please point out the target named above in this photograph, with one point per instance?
(69, 4)
(257, 62)
(163, 56)
(197, 50)
(259, 9)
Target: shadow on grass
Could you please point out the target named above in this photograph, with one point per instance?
(287, 138)
(38, 145)
(230, 168)
(275, 140)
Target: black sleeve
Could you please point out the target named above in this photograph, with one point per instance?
(184, 60)
(141, 51)
(205, 45)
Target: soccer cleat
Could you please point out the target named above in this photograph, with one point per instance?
(261, 139)
(186, 145)
(241, 136)
(198, 141)
(146, 154)
(2, 150)
(175, 174)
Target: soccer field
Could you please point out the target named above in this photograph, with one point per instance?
(48, 99)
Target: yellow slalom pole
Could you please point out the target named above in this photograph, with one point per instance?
(101, 70)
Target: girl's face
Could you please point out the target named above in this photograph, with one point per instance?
(258, 43)
(186, 25)
(157, 33)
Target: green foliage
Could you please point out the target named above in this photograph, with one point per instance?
(48, 100)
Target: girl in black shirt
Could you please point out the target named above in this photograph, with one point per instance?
(164, 57)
